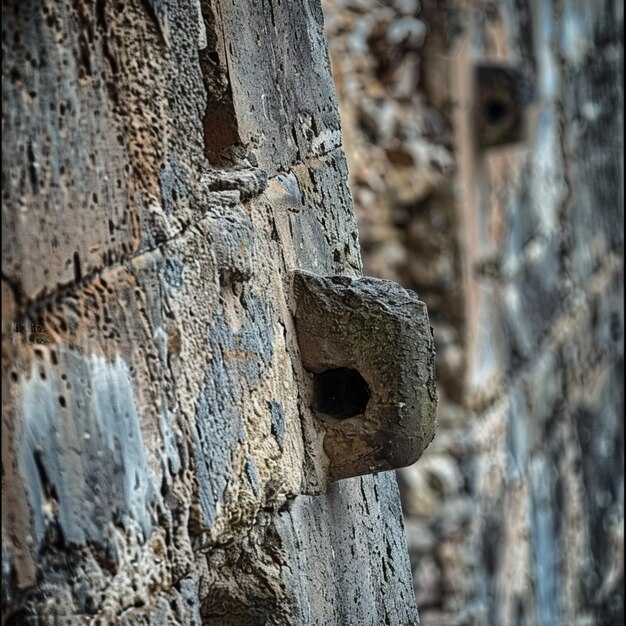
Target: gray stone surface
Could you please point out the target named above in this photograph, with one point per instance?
(379, 545)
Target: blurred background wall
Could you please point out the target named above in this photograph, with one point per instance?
(484, 142)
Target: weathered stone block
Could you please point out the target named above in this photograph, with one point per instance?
(368, 346)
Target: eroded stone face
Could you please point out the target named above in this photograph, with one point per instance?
(368, 346)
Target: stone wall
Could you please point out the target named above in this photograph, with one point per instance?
(513, 236)
(166, 165)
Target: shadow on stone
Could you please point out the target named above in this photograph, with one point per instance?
(341, 393)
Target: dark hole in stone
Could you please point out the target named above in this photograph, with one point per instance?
(220, 127)
(495, 111)
(340, 393)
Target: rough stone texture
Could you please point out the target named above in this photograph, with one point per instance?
(515, 513)
(371, 598)
(165, 174)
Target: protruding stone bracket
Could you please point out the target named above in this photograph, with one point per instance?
(368, 347)
(502, 95)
